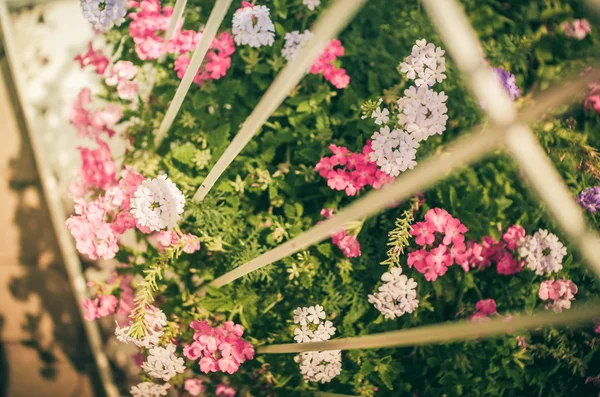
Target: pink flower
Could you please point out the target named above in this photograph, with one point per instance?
(578, 28)
(439, 259)
(94, 59)
(338, 236)
(454, 231)
(90, 306)
(203, 327)
(208, 364)
(233, 328)
(340, 154)
(513, 236)
(228, 364)
(561, 292)
(193, 351)
(546, 290)
(508, 265)
(424, 233)
(127, 90)
(338, 180)
(90, 123)
(107, 305)
(98, 170)
(486, 306)
(417, 258)
(224, 390)
(122, 71)
(327, 212)
(194, 386)
(438, 218)
(349, 246)
(479, 317)
(184, 41)
(325, 166)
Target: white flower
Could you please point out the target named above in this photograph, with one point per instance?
(325, 331)
(394, 151)
(252, 26)
(380, 116)
(311, 4)
(149, 389)
(422, 112)
(155, 321)
(426, 64)
(543, 252)
(315, 314)
(294, 42)
(157, 203)
(104, 14)
(300, 315)
(303, 335)
(320, 366)
(163, 363)
(396, 296)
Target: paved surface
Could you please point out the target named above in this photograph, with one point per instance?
(43, 350)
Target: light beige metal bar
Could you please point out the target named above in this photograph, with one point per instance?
(442, 333)
(462, 42)
(55, 208)
(175, 17)
(212, 25)
(333, 20)
(466, 150)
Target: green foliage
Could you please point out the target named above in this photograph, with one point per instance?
(270, 194)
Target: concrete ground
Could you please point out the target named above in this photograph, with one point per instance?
(43, 349)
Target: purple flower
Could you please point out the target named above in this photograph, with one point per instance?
(590, 199)
(509, 82)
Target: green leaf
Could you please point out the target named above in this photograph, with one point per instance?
(185, 153)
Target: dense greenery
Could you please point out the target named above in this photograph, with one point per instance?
(271, 193)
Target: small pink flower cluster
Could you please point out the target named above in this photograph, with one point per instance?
(347, 243)
(93, 58)
(98, 170)
(503, 252)
(441, 230)
(96, 235)
(218, 348)
(325, 65)
(354, 171)
(194, 386)
(484, 309)
(121, 75)
(218, 59)
(561, 292)
(146, 26)
(169, 238)
(90, 123)
(578, 28)
(99, 307)
(224, 390)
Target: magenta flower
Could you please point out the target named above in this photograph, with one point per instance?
(438, 218)
(338, 179)
(454, 231)
(486, 306)
(513, 236)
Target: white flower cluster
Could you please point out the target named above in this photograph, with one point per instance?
(543, 252)
(157, 203)
(317, 366)
(155, 321)
(149, 389)
(311, 4)
(294, 42)
(397, 294)
(252, 26)
(394, 151)
(421, 112)
(163, 363)
(426, 64)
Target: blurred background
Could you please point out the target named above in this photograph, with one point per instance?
(44, 347)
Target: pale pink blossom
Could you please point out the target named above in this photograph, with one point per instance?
(93, 58)
(194, 386)
(224, 390)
